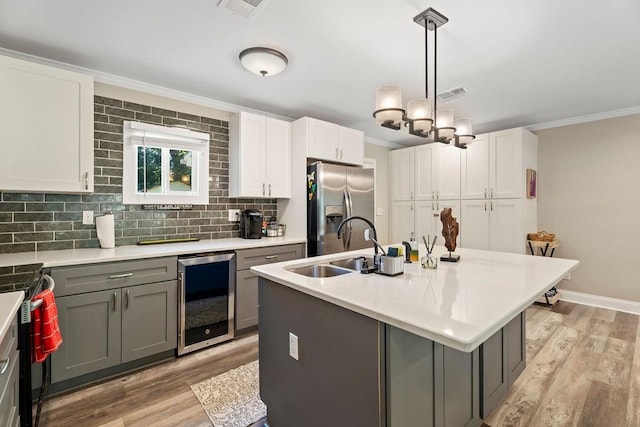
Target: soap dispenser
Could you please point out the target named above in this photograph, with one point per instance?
(414, 254)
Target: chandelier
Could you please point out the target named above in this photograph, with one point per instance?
(418, 117)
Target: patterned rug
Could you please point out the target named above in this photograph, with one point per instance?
(231, 399)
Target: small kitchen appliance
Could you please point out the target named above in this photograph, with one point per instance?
(251, 224)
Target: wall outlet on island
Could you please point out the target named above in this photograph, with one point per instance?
(293, 345)
(234, 215)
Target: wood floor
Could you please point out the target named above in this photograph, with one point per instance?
(583, 369)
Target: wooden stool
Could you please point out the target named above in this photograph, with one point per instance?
(544, 247)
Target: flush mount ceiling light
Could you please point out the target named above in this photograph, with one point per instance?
(263, 61)
(422, 116)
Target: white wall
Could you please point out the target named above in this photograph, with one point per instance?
(381, 155)
(589, 195)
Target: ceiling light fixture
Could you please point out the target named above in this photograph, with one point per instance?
(263, 61)
(436, 127)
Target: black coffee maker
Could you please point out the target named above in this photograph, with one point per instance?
(251, 224)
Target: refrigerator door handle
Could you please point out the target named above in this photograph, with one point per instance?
(348, 207)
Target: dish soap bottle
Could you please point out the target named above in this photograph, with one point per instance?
(413, 255)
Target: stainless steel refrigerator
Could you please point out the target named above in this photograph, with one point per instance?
(335, 192)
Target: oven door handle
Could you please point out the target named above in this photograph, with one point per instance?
(51, 284)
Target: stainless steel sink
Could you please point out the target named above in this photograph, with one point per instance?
(320, 270)
(353, 263)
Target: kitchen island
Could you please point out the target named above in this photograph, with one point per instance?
(429, 347)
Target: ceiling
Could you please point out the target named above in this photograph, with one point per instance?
(522, 62)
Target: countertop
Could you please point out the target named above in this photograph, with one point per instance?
(458, 304)
(92, 255)
(9, 305)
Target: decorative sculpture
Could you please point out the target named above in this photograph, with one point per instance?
(450, 231)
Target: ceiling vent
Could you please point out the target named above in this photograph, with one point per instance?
(244, 8)
(452, 94)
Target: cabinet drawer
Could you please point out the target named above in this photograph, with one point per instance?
(9, 342)
(247, 258)
(98, 277)
(9, 390)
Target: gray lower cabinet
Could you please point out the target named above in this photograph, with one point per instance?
(9, 377)
(107, 328)
(246, 309)
(429, 384)
(114, 313)
(502, 360)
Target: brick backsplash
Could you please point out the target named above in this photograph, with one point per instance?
(43, 221)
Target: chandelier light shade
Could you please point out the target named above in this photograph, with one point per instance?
(389, 112)
(263, 61)
(422, 116)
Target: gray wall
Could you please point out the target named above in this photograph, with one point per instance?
(39, 221)
(381, 156)
(589, 195)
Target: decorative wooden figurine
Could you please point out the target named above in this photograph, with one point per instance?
(450, 231)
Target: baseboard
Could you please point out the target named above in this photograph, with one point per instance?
(600, 301)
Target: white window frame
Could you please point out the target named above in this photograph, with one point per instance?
(138, 134)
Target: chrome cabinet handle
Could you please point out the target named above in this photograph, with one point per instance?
(411, 196)
(120, 276)
(5, 364)
(411, 206)
(337, 153)
(491, 206)
(271, 256)
(269, 189)
(86, 180)
(438, 195)
(485, 206)
(115, 300)
(341, 154)
(126, 301)
(263, 185)
(492, 193)
(485, 193)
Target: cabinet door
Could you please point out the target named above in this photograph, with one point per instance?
(246, 299)
(506, 233)
(448, 173)
(515, 332)
(402, 217)
(90, 326)
(426, 220)
(323, 140)
(457, 385)
(46, 117)
(506, 179)
(402, 174)
(493, 372)
(474, 231)
(149, 319)
(247, 156)
(425, 171)
(277, 152)
(474, 173)
(351, 146)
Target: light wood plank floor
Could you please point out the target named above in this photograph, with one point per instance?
(583, 369)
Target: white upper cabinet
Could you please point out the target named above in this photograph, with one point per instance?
(259, 150)
(46, 128)
(494, 165)
(333, 143)
(425, 172)
(402, 168)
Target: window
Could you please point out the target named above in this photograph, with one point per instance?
(165, 165)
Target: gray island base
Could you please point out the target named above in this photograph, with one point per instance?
(426, 348)
(353, 370)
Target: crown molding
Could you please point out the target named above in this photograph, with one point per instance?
(584, 119)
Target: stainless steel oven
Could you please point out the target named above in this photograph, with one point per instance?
(206, 289)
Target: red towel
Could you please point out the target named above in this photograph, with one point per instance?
(45, 332)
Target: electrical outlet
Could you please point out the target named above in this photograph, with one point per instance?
(568, 276)
(293, 345)
(234, 215)
(87, 217)
(379, 211)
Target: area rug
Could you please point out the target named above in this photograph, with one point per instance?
(231, 399)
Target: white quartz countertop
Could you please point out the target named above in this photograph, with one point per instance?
(458, 304)
(93, 255)
(9, 305)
